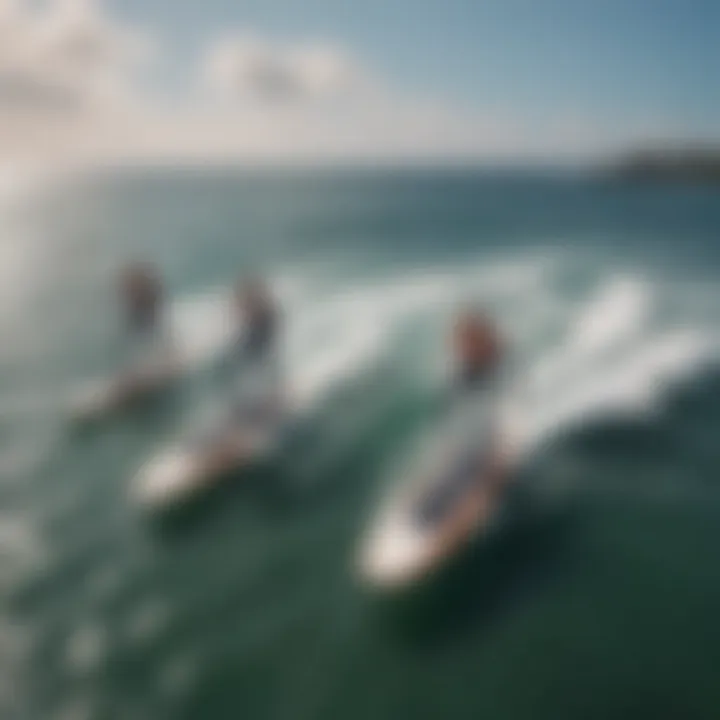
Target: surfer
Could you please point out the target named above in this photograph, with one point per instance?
(141, 296)
(148, 361)
(253, 356)
(259, 314)
(469, 492)
(142, 304)
(249, 373)
(459, 488)
(477, 350)
(245, 417)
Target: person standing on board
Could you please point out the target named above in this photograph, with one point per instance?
(248, 374)
(142, 305)
(249, 371)
(474, 481)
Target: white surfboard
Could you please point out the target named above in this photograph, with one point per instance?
(191, 465)
(444, 503)
(179, 473)
(102, 398)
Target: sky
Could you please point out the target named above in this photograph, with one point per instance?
(468, 79)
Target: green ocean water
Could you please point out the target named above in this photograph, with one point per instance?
(599, 600)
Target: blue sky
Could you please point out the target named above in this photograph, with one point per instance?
(325, 80)
(623, 63)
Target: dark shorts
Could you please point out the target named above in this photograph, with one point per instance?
(261, 337)
(470, 379)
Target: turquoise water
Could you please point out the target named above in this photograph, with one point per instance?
(600, 601)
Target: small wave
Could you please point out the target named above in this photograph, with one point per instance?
(104, 584)
(147, 621)
(342, 335)
(77, 708)
(86, 648)
(19, 537)
(614, 361)
(615, 316)
(177, 675)
(21, 460)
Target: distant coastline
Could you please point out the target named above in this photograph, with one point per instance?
(696, 166)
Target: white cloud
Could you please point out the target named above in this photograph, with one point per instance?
(64, 57)
(251, 69)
